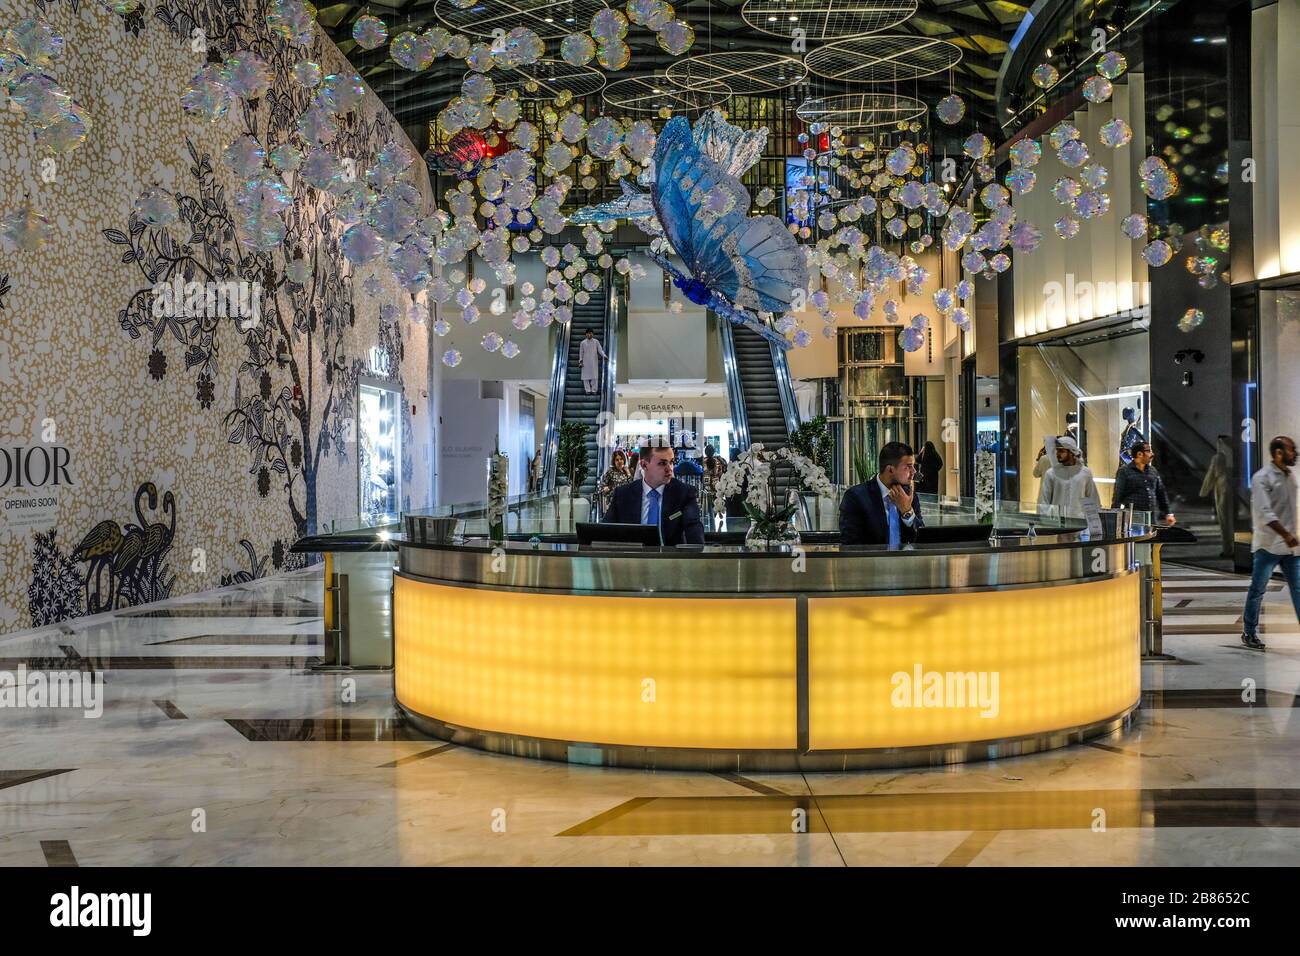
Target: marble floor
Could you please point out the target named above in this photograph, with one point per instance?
(218, 744)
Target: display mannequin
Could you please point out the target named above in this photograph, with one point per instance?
(1129, 437)
(1218, 484)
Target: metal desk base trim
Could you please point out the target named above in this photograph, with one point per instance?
(756, 761)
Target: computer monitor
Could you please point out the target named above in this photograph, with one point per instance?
(590, 532)
(952, 533)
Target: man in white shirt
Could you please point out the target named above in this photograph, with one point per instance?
(587, 355)
(1274, 542)
(1068, 486)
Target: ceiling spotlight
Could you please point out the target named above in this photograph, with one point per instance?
(771, 19)
(794, 19)
(549, 20)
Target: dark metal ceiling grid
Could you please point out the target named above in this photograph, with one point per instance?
(981, 28)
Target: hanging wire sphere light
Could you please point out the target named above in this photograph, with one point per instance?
(882, 58)
(553, 77)
(549, 19)
(826, 19)
(649, 94)
(744, 72)
(861, 110)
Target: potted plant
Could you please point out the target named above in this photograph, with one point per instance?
(571, 456)
(813, 440)
(752, 473)
(571, 463)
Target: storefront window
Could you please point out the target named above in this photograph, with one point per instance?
(379, 452)
(1095, 391)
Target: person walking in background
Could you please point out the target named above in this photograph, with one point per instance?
(615, 475)
(1274, 542)
(735, 505)
(929, 466)
(588, 353)
(535, 470)
(1044, 460)
(714, 467)
(1218, 484)
(1140, 485)
(634, 465)
(1068, 486)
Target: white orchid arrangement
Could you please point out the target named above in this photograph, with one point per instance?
(755, 467)
(985, 466)
(498, 487)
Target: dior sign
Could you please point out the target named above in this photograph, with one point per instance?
(34, 467)
(29, 478)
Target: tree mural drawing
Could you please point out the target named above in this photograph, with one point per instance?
(296, 384)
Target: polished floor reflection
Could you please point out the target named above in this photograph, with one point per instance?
(220, 744)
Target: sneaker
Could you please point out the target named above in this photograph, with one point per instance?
(1253, 642)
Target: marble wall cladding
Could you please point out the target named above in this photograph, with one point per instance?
(196, 451)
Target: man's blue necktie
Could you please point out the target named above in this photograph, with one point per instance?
(892, 513)
(652, 513)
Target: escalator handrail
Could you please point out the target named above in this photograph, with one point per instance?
(735, 388)
(789, 408)
(605, 420)
(785, 389)
(555, 406)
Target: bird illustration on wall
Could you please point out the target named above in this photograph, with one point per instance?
(130, 557)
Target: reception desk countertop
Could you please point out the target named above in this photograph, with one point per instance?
(815, 658)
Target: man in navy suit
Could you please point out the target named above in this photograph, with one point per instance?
(659, 499)
(884, 509)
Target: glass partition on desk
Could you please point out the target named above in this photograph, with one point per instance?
(553, 512)
(821, 513)
(557, 513)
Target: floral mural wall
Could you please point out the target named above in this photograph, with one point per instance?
(149, 449)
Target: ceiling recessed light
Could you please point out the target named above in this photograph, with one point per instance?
(549, 20)
(771, 19)
(794, 19)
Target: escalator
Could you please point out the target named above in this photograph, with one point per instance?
(761, 395)
(598, 315)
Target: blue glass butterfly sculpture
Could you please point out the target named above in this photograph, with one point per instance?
(734, 264)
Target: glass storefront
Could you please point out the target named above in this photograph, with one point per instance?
(1279, 353)
(379, 438)
(1092, 386)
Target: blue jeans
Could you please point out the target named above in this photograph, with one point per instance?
(1262, 570)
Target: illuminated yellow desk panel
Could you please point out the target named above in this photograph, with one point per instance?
(928, 670)
(725, 661)
(629, 671)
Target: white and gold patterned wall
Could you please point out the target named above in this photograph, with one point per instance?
(198, 451)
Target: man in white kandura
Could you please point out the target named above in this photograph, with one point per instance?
(587, 353)
(1069, 486)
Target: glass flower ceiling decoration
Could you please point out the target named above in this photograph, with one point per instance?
(753, 269)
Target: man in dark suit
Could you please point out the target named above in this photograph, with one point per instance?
(883, 509)
(659, 498)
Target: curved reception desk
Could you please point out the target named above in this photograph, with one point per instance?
(724, 659)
